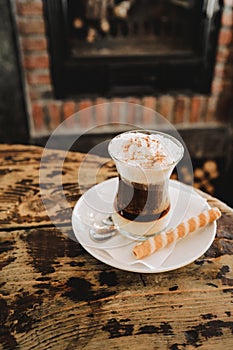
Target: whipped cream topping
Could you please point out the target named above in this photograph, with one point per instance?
(145, 150)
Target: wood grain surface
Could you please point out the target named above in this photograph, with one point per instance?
(54, 295)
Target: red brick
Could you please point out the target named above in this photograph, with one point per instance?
(212, 108)
(228, 3)
(40, 92)
(115, 110)
(222, 54)
(225, 36)
(132, 116)
(203, 108)
(28, 27)
(35, 78)
(227, 18)
(69, 108)
(149, 112)
(34, 95)
(219, 70)
(217, 86)
(180, 109)
(34, 44)
(38, 116)
(166, 106)
(224, 71)
(54, 111)
(196, 108)
(101, 111)
(29, 8)
(84, 103)
(85, 115)
(37, 61)
(129, 115)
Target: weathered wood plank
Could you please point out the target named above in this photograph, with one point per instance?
(32, 188)
(25, 181)
(54, 295)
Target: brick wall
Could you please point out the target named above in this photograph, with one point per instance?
(46, 113)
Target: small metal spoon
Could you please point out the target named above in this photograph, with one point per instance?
(108, 221)
(101, 232)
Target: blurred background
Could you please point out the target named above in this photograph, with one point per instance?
(58, 57)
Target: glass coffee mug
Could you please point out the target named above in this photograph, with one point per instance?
(144, 160)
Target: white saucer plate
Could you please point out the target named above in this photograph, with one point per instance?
(97, 204)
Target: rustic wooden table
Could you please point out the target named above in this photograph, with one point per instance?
(54, 295)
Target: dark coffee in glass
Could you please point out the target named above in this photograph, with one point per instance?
(142, 202)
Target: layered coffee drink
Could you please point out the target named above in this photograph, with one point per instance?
(144, 160)
(141, 202)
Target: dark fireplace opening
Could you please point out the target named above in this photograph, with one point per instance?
(120, 48)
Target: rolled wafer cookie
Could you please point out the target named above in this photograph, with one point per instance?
(153, 244)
